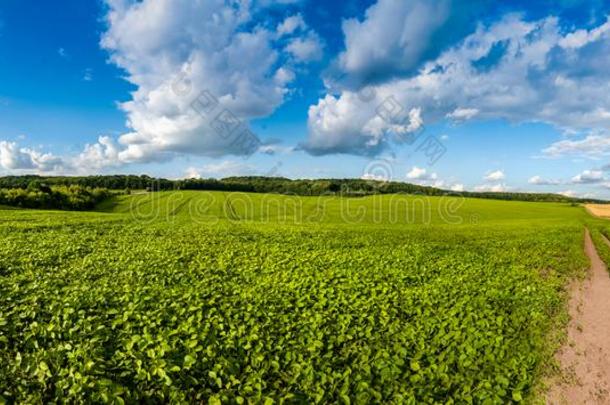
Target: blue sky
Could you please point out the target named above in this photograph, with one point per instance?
(517, 96)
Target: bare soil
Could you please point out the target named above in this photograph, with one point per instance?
(585, 358)
(599, 210)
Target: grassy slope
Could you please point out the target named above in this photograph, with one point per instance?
(598, 228)
(384, 210)
(320, 298)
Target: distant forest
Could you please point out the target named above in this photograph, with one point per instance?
(256, 184)
(59, 197)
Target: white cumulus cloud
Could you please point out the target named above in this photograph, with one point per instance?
(418, 173)
(493, 188)
(202, 71)
(589, 177)
(16, 158)
(352, 123)
(513, 69)
(495, 175)
(423, 177)
(99, 155)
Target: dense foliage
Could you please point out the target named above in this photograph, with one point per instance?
(345, 187)
(198, 297)
(112, 182)
(38, 195)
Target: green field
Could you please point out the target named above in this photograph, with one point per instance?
(252, 298)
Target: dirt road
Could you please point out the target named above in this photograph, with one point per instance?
(585, 359)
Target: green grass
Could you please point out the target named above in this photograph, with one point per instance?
(209, 296)
(385, 210)
(600, 233)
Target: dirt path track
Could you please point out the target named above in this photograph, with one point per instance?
(585, 359)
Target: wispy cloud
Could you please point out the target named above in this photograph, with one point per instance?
(88, 75)
(595, 146)
(63, 53)
(225, 168)
(540, 181)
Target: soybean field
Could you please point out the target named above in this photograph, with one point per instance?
(212, 297)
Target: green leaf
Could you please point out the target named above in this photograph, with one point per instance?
(189, 361)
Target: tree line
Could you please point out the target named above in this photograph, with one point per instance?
(42, 196)
(254, 184)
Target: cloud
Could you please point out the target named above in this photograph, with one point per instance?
(589, 177)
(226, 168)
(396, 37)
(494, 188)
(202, 71)
(104, 153)
(539, 181)
(290, 25)
(14, 157)
(568, 193)
(594, 145)
(462, 114)
(417, 173)
(537, 77)
(457, 187)
(306, 49)
(496, 175)
(88, 75)
(423, 177)
(374, 177)
(275, 148)
(275, 3)
(354, 124)
(580, 38)
(192, 173)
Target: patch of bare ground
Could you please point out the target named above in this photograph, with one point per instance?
(584, 360)
(599, 210)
